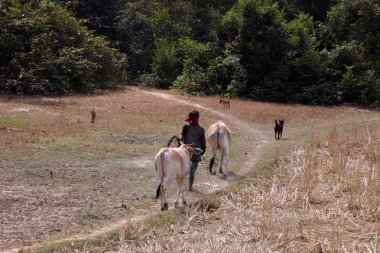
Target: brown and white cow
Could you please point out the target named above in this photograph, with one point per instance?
(173, 163)
(219, 136)
(225, 101)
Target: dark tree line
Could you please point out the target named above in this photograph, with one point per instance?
(46, 50)
(291, 51)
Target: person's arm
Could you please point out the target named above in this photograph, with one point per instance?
(183, 134)
(203, 143)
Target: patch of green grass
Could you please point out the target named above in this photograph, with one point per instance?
(111, 240)
(90, 217)
(12, 122)
(160, 220)
(107, 242)
(130, 139)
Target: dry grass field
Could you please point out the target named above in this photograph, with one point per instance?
(324, 197)
(62, 174)
(316, 190)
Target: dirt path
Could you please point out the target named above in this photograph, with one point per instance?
(253, 154)
(211, 186)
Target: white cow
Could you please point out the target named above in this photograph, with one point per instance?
(219, 136)
(173, 163)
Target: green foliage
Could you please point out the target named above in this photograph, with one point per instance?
(279, 56)
(44, 50)
(195, 53)
(208, 71)
(305, 71)
(142, 24)
(192, 81)
(194, 57)
(135, 36)
(354, 60)
(166, 65)
(228, 74)
(12, 122)
(231, 23)
(291, 51)
(99, 15)
(317, 9)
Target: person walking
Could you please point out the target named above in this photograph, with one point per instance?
(193, 133)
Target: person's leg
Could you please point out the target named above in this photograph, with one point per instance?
(193, 169)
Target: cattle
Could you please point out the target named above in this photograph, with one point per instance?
(219, 136)
(278, 129)
(173, 163)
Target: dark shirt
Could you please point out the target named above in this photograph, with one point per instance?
(195, 134)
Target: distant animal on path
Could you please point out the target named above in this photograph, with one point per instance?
(219, 136)
(278, 129)
(225, 101)
(173, 163)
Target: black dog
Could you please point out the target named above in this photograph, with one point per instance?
(278, 129)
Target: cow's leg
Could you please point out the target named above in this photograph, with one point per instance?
(179, 190)
(162, 197)
(224, 145)
(221, 162)
(215, 162)
(177, 198)
(183, 191)
(225, 157)
(164, 202)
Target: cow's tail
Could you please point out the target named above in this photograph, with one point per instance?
(160, 172)
(215, 142)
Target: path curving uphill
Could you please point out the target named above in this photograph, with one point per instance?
(253, 154)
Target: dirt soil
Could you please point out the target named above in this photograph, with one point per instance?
(85, 180)
(46, 210)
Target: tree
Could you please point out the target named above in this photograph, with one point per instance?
(317, 9)
(44, 50)
(279, 57)
(100, 16)
(354, 60)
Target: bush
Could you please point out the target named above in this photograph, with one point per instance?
(166, 64)
(354, 59)
(45, 50)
